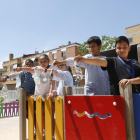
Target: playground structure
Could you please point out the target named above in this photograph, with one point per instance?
(9, 109)
(81, 117)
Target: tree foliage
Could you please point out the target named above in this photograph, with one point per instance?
(2, 99)
(107, 44)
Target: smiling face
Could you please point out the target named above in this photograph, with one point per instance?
(29, 64)
(43, 62)
(122, 49)
(94, 48)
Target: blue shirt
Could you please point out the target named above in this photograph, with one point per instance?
(96, 80)
(27, 82)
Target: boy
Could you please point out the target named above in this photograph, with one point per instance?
(121, 70)
(96, 80)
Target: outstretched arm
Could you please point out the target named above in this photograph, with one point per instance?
(92, 61)
(57, 63)
(26, 69)
(48, 70)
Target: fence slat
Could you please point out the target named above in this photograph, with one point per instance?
(48, 119)
(39, 118)
(31, 118)
(59, 127)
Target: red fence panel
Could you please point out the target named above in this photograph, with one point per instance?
(95, 118)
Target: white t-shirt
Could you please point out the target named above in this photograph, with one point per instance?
(65, 79)
(44, 87)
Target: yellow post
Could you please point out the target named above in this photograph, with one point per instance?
(31, 118)
(59, 127)
(48, 119)
(39, 118)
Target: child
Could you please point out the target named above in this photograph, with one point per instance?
(27, 82)
(96, 80)
(63, 75)
(121, 70)
(42, 87)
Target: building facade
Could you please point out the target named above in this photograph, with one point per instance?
(133, 34)
(1, 73)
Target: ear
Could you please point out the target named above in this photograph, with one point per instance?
(116, 49)
(100, 46)
(129, 48)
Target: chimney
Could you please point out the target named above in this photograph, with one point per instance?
(11, 56)
(69, 43)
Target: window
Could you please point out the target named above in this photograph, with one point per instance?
(63, 54)
(11, 67)
(130, 41)
(7, 68)
(54, 56)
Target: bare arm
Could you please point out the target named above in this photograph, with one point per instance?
(26, 69)
(48, 70)
(131, 81)
(57, 63)
(92, 61)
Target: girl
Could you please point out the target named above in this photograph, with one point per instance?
(63, 75)
(42, 84)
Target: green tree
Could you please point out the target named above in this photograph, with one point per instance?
(2, 99)
(107, 44)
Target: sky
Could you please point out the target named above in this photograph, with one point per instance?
(41, 25)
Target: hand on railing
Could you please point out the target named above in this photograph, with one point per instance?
(51, 94)
(125, 82)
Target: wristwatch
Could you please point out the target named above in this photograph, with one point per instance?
(45, 70)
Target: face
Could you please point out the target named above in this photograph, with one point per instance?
(63, 67)
(43, 62)
(94, 48)
(29, 64)
(122, 49)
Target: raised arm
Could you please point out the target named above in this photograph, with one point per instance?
(57, 63)
(48, 70)
(26, 69)
(92, 61)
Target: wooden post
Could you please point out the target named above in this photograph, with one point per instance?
(67, 90)
(126, 92)
(138, 52)
(22, 114)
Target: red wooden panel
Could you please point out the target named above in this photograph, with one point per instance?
(81, 127)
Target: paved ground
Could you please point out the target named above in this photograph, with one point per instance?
(9, 128)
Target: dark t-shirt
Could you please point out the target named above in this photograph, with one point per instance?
(117, 71)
